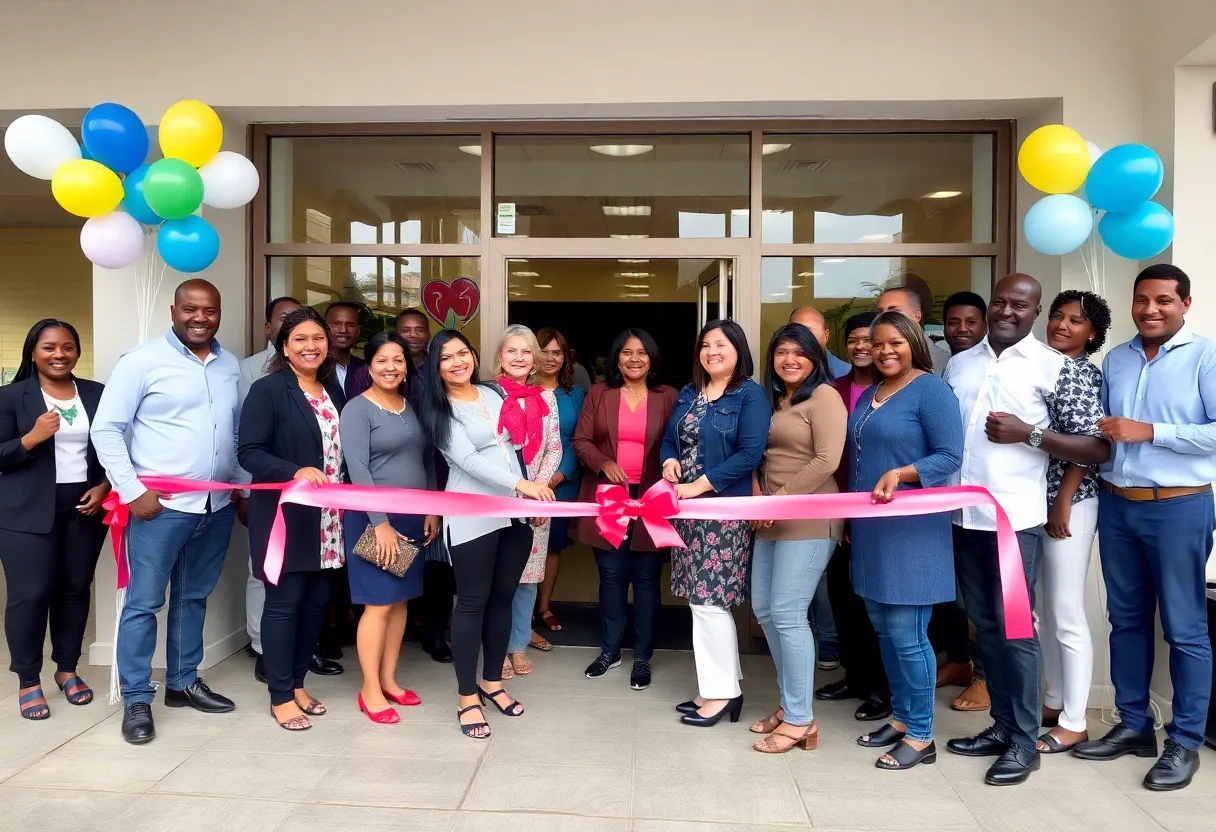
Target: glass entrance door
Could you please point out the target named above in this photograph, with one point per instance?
(716, 292)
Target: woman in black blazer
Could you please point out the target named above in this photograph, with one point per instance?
(289, 430)
(51, 488)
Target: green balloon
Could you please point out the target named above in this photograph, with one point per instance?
(173, 188)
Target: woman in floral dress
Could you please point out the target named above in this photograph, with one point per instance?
(715, 439)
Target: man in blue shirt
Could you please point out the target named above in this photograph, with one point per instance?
(813, 319)
(1155, 519)
(177, 397)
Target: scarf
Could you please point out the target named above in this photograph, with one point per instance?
(526, 425)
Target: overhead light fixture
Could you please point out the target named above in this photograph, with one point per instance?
(633, 260)
(943, 194)
(516, 294)
(471, 149)
(516, 260)
(622, 149)
(634, 274)
(635, 286)
(833, 259)
(629, 236)
(770, 149)
(525, 274)
(874, 238)
(797, 285)
(542, 286)
(627, 210)
(637, 294)
(810, 274)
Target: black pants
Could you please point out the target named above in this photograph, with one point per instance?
(618, 569)
(487, 570)
(50, 575)
(950, 633)
(438, 593)
(292, 618)
(858, 643)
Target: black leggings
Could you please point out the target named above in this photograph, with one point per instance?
(292, 618)
(488, 570)
(50, 575)
(438, 590)
(859, 651)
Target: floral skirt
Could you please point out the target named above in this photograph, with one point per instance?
(714, 568)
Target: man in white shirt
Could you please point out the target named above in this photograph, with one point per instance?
(1011, 389)
(907, 300)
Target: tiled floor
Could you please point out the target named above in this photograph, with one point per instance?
(587, 756)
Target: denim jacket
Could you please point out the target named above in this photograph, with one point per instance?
(733, 436)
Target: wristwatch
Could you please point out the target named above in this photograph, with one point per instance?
(1036, 437)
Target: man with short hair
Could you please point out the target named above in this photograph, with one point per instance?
(908, 301)
(1020, 401)
(813, 319)
(342, 318)
(964, 314)
(177, 395)
(415, 328)
(1155, 519)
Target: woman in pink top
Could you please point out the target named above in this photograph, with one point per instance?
(617, 441)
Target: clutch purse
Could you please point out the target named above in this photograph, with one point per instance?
(402, 559)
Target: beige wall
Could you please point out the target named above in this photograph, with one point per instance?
(43, 274)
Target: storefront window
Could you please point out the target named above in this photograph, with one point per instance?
(627, 187)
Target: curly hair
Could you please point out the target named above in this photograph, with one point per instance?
(1094, 309)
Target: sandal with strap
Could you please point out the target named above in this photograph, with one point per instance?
(295, 723)
(80, 693)
(767, 725)
(521, 665)
(544, 645)
(776, 743)
(905, 756)
(32, 710)
(469, 728)
(1054, 746)
(550, 621)
(313, 707)
(508, 669)
(513, 709)
(884, 736)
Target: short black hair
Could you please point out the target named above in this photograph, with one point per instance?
(862, 320)
(413, 310)
(344, 304)
(743, 367)
(1095, 310)
(801, 337)
(612, 367)
(911, 294)
(965, 299)
(1166, 271)
(270, 306)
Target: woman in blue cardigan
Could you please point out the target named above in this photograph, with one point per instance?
(905, 433)
(715, 439)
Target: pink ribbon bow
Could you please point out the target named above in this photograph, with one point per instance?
(654, 509)
(117, 517)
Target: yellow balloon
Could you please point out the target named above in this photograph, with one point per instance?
(190, 131)
(86, 188)
(1054, 159)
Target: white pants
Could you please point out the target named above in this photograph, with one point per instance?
(715, 648)
(1068, 652)
(255, 599)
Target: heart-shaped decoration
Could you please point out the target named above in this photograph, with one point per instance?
(451, 304)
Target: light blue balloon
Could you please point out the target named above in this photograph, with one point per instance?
(1124, 177)
(1139, 234)
(1058, 224)
(133, 201)
(188, 245)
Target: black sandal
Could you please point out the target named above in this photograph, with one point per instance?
(31, 708)
(884, 736)
(79, 693)
(905, 756)
(1054, 746)
(514, 709)
(468, 729)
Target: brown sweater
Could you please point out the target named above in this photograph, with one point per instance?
(804, 447)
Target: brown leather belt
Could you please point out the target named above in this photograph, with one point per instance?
(1141, 494)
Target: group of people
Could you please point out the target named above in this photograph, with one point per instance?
(1127, 452)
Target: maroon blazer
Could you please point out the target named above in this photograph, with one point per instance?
(595, 440)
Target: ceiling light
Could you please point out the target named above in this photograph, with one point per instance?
(516, 260)
(635, 286)
(634, 274)
(627, 210)
(525, 274)
(471, 149)
(633, 260)
(810, 274)
(943, 194)
(874, 238)
(637, 294)
(797, 285)
(629, 236)
(834, 259)
(770, 149)
(516, 294)
(542, 286)
(622, 149)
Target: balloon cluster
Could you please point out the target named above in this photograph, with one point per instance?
(108, 182)
(1083, 181)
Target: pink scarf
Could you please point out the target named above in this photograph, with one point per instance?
(526, 425)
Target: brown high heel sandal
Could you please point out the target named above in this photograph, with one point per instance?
(295, 723)
(769, 724)
(776, 743)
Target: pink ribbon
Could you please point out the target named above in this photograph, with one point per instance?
(117, 516)
(614, 510)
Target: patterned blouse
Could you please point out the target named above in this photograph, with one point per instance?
(1076, 409)
(541, 469)
(333, 550)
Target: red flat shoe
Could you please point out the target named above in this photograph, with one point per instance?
(386, 717)
(406, 697)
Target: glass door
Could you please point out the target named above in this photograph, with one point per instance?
(716, 291)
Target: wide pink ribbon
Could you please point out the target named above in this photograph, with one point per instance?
(614, 510)
(116, 518)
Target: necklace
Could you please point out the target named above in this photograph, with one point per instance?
(68, 414)
(904, 382)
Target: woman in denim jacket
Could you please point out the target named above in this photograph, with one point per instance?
(714, 440)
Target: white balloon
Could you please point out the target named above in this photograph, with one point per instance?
(39, 145)
(229, 180)
(113, 240)
(1095, 152)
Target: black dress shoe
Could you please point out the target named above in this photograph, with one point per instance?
(323, 666)
(1118, 741)
(1174, 770)
(873, 709)
(438, 651)
(732, 708)
(689, 707)
(259, 670)
(137, 725)
(1013, 767)
(200, 697)
(835, 692)
(991, 742)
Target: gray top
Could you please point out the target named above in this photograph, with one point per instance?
(385, 448)
(481, 461)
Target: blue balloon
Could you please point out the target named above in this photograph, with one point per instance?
(1139, 234)
(115, 136)
(1124, 177)
(133, 201)
(1058, 224)
(188, 245)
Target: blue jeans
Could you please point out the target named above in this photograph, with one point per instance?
(785, 575)
(903, 637)
(521, 617)
(618, 569)
(1153, 555)
(820, 616)
(185, 554)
